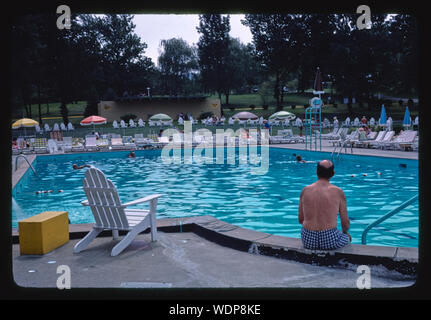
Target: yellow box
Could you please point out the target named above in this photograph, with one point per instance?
(44, 232)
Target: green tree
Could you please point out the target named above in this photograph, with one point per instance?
(276, 45)
(213, 50)
(176, 62)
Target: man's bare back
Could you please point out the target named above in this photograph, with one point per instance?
(320, 203)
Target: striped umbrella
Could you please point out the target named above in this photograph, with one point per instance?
(93, 120)
(24, 123)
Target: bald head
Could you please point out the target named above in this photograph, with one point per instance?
(325, 169)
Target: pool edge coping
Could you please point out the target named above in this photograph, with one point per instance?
(401, 259)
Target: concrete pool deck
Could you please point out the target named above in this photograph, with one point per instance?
(203, 252)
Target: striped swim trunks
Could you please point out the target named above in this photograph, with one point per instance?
(323, 240)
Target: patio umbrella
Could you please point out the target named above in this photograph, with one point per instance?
(318, 87)
(407, 119)
(93, 120)
(160, 117)
(245, 116)
(24, 123)
(382, 120)
(282, 115)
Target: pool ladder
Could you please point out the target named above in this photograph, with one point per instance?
(28, 162)
(342, 145)
(387, 216)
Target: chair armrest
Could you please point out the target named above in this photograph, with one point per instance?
(145, 199)
(85, 203)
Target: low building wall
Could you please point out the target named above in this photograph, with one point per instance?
(114, 110)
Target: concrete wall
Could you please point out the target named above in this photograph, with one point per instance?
(113, 110)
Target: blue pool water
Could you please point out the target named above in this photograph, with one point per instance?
(267, 203)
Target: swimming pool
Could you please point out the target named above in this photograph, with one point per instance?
(267, 203)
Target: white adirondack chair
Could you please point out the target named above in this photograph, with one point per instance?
(111, 214)
(141, 123)
(115, 124)
(70, 126)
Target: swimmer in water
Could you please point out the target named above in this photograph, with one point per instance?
(299, 159)
(75, 166)
(131, 154)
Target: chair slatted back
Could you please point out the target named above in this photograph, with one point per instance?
(104, 201)
(388, 136)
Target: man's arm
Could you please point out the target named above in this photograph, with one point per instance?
(300, 212)
(345, 222)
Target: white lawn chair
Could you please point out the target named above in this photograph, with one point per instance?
(110, 214)
(151, 123)
(70, 127)
(55, 127)
(231, 121)
(117, 143)
(115, 124)
(141, 123)
(47, 128)
(128, 142)
(132, 123)
(403, 141)
(356, 122)
(372, 122)
(78, 144)
(123, 124)
(90, 143)
(102, 143)
(52, 146)
(63, 127)
(177, 139)
(347, 122)
(360, 142)
(38, 129)
(67, 144)
(380, 144)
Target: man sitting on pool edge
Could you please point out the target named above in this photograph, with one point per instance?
(319, 205)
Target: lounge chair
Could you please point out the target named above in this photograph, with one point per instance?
(128, 142)
(362, 142)
(117, 144)
(40, 145)
(66, 145)
(403, 141)
(380, 144)
(330, 134)
(90, 143)
(78, 144)
(102, 143)
(111, 214)
(177, 139)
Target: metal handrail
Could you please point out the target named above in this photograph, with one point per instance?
(25, 158)
(387, 216)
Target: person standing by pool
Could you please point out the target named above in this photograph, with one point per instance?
(319, 204)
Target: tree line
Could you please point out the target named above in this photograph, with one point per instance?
(101, 57)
